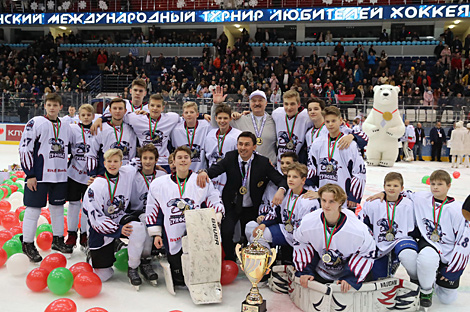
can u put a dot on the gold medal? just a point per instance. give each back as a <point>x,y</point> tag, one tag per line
<point>260,184</point>
<point>111,209</point>
<point>125,150</point>
<point>289,227</point>
<point>193,154</point>
<point>243,190</point>
<point>156,139</point>
<point>435,237</point>
<point>290,145</point>
<point>186,207</point>
<point>56,147</point>
<point>329,168</point>
<point>181,205</point>
<point>389,236</point>
<point>387,116</point>
<point>326,258</point>
<point>219,159</point>
<point>259,141</point>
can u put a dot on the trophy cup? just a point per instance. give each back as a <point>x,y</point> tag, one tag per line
<point>255,262</point>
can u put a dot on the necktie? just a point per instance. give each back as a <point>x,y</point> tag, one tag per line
<point>243,168</point>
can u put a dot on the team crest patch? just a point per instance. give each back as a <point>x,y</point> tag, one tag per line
<point>57,148</point>
<point>156,139</point>
<point>433,233</point>
<point>329,169</point>
<point>178,207</point>
<point>29,125</point>
<point>384,229</point>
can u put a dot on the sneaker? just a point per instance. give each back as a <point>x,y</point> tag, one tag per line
<point>425,300</point>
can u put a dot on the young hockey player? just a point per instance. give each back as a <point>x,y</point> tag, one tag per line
<point>169,196</point>
<point>220,141</point>
<point>192,133</point>
<point>291,122</point>
<point>115,134</point>
<point>278,226</point>
<point>332,165</point>
<point>171,163</point>
<point>80,142</point>
<point>392,221</point>
<point>138,92</point>
<point>43,154</point>
<point>342,245</point>
<point>105,204</point>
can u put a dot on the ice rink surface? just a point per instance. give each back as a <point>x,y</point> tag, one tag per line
<point>118,296</point>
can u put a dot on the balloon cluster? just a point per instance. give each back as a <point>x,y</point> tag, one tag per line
<point>54,275</point>
<point>67,305</point>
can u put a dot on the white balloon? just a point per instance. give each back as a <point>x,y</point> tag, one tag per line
<point>16,203</point>
<point>18,264</point>
<point>16,195</point>
<point>42,220</point>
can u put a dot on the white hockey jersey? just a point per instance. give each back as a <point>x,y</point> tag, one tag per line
<point>216,148</point>
<point>193,138</point>
<point>71,120</point>
<point>314,133</point>
<point>129,108</point>
<point>104,213</point>
<point>302,207</point>
<point>346,167</point>
<point>164,206</point>
<point>108,139</point>
<point>80,143</point>
<point>42,155</point>
<point>351,248</point>
<point>374,215</point>
<point>159,136</point>
<point>140,188</point>
<point>298,125</point>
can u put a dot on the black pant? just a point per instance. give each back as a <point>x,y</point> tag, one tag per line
<point>436,151</point>
<point>176,268</point>
<point>228,227</point>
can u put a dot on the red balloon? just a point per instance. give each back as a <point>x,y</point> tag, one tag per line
<point>47,215</point>
<point>54,261</point>
<point>2,213</point>
<point>80,267</point>
<point>5,205</point>
<point>3,257</point>
<point>456,174</point>
<point>20,174</point>
<point>5,236</point>
<point>14,188</point>
<point>10,220</point>
<point>66,227</point>
<point>19,210</point>
<point>428,181</point>
<point>96,310</point>
<point>37,279</point>
<point>44,240</point>
<point>87,284</point>
<point>16,230</point>
<point>5,191</point>
<point>229,272</point>
<point>62,305</point>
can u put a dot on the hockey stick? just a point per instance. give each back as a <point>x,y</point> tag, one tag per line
<point>168,278</point>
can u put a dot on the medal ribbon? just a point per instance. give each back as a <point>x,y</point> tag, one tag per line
<point>318,131</point>
<point>293,206</point>
<point>383,113</point>
<point>331,152</point>
<point>115,133</point>
<point>145,179</point>
<point>290,132</point>
<point>328,239</point>
<point>83,134</point>
<point>152,131</point>
<point>190,142</point>
<point>390,223</point>
<point>220,144</point>
<point>55,128</point>
<point>111,194</point>
<point>434,212</point>
<point>245,177</point>
<point>181,187</point>
<point>259,131</point>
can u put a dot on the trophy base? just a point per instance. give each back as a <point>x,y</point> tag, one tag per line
<point>246,307</point>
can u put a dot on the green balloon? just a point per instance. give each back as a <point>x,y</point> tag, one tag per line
<point>19,185</point>
<point>43,228</point>
<point>20,179</point>
<point>21,216</point>
<point>424,179</point>
<point>7,187</point>
<point>59,281</point>
<point>17,237</point>
<point>122,259</point>
<point>13,246</point>
<point>21,190</point>
<point>9,182</point>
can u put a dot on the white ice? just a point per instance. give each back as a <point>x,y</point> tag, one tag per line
<point>118,296</point>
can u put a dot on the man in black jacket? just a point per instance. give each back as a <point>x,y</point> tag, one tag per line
<point>248,174</point>
<point>23,113</point>
<point>420,137</point>
<point>438,138</point>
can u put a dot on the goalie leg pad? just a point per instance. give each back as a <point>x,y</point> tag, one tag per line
<point>201,258</point>
<point>278,281</point>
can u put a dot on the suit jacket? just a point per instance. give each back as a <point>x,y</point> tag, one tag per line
<point>420,137</point>
<point>261,173</point>
<point>433,135</point>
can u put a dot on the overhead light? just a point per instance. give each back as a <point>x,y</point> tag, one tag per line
<point>240,29</point>
<point>63,27</point>
<point>451,26</point>
<point>456,22</point>
<point>237,25</point>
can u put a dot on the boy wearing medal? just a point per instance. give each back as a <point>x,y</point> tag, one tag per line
<point>221,140</point>
<point>278,226</point>
<point>43,154</point>
<point>80,142</point>
<point>342,245</point>
<point>391,222</point>
<point>105,204</point>
<point>330,164</point>
<point>192,133</point>
<point>115,134</point>
<point>138,92</point>
<point>169,196</point>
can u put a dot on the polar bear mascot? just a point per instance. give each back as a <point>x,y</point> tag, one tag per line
<point>384,127</point>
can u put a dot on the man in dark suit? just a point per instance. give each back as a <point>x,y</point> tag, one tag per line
<point>438,138</point>
<point>248,174</point>
<point>420,137</point>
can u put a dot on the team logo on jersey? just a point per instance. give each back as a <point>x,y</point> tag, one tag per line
<point>216,157</point>
<point>143,198</point>
<point>91,195</point>
<point>384,228</point>
<point>82,148</point>
<point>195,152</point>
<point>123,146</point>
<point>156,139</point>
<point>430,228</point>
<point>329,169</point>
<point>336,258</point>
<point>57,148</point>
<point>29,125</point>
<point>286,143</point>
<point>118,204</point>
<point>178,206</point>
